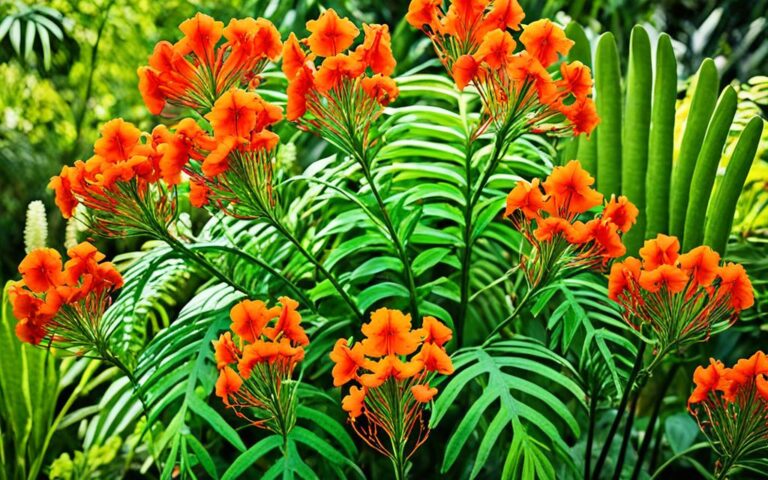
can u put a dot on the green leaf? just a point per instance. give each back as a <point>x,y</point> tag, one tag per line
<point>216,421</point>
<point>380,291</point>
<point>706,168</point>
<point>636,126</point>
<point>251,456</point>
<point>702,105</point>
<point>662,138</point>
<point>428,259</point>
<point>608,100</point>
<point>723,205</point>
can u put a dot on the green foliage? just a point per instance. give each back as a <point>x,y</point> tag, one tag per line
<point>651,176</point>
<point>28,384</point>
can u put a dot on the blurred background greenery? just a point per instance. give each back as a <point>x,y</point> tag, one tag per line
<point>68,66</point>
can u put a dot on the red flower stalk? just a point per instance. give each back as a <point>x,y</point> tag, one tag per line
<point>261,391</point>
<point>118,185</point>
<point>194,72</point>
<point>473,41</point>
<point>731,407</point>
<point>342,98</point>
<point>547,220</point>
<point>62,305</point>
<point>232,167</point>
<point>679,298</point>
<point>386,410</point>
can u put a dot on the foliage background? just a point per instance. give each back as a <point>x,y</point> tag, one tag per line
<point>50,114</point>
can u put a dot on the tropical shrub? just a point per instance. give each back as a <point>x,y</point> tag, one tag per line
<point>505,208</point>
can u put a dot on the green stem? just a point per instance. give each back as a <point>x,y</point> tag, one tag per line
<point>652,422</point>
<point>620,412</point>
<point>250,258</point>
<point>627,434</point>
<point>506,321</point>
<point>316,263</point>
<point>196,257</point>
<point>359,153</point>
<point>590,435</point>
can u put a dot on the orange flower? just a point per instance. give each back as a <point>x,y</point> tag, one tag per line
<point>422,393</point>
<point>577,79</point>
<point>229,383</point>
<point>621,212</point>
<point>464,70</point>
<point>497,49</point>
<point>118,140</point>
<point>376,51</point>
<point>297,91</point>
<point>392,367</point>
<point>434,331</point>
<point>198,194</point>
<point>504,14</point>
<point>746,368</point>
<point>382,89</point>
<point>570,189</point>
<point>582,114</point>
<point>226,352</point>
<point>334,69</point>
<point>665,276</point>
<point>41,269</point>
<point>178,147</point>
<point>623,274</point>
<point>662,250</point>
<point>389,333</point>
<point>249,318</point>
<point>201,35</point>
<point>217,161</point>
<point>294,56</point>
<point>30,332</point>
<point>150,87</point>
<point>62,187</point>
<point>354,402</point>
<point>288,323</point>
<point>237,113</point>
<point>606,237</point>
<point>544,40</point>
<point>550,227</point>
<point>735,282</point>
<point>255,353</point>
<point>434,359</point>
<point>707,380</point>
<point>526,197</point>
<point>462,16</point>
<point>330,34</point>
<point>702,263</point>
<point>347,361</point>
<point>424,12</point>
<point>84,258</point>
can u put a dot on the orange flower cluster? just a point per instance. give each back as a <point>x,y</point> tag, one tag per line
<point>234,165</point>
<point>118,184</point>
<point>194,73</point>
<point>547,220</point>
<point>342,97</point>
<point>680,297</point>
<point>392,389</point>
<point>473,41</point>
<point>265,354</point>
<point>731,407</point>
<point>63,303</point>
